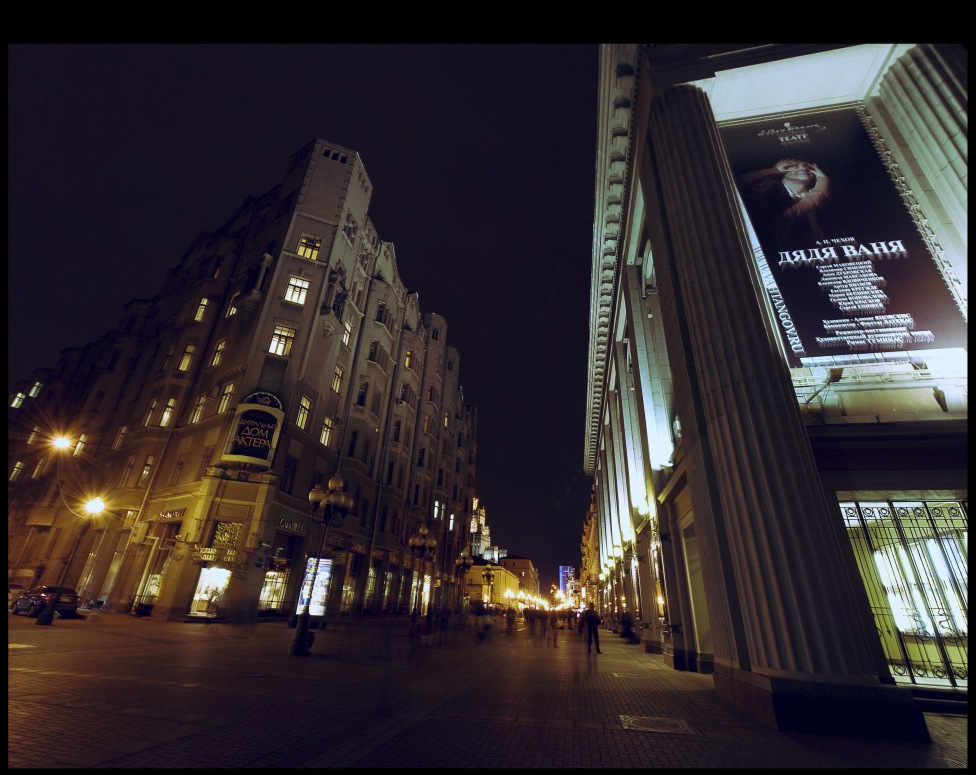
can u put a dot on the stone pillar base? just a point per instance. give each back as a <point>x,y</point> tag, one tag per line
<point>790,705</point>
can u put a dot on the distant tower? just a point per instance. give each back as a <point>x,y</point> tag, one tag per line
<point>566,573</point>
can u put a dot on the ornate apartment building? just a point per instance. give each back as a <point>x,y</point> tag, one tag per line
<point>778,399</point>
<point>282,350</point>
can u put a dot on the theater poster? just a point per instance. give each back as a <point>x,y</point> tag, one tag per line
<point>253,436</point>
<point>847,271</point>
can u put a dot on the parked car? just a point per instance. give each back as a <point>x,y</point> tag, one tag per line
<point>35,600</point>
<point>14,591</point>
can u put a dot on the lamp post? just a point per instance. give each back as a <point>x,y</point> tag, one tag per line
<point>461,566</point>
<point>94,507</point>
<point>489,576</point>
<point>422,546</point>
<point>333,504</point>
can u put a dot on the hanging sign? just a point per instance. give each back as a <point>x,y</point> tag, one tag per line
<point>253,436</point>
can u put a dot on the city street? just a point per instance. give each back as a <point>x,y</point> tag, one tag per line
<point>112,691</point>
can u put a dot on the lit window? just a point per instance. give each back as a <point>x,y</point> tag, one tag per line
<point>408,360</point>
<point>282,340</point>
<point>80,446</point>
<point>198,408</point>
<point>18,400</point>
<point>218,352</point>
<point>346,333</point>
<point>201,309</point>
<point>164,421</point>
<point>149,412</point>
<point>232,305</point>
<point>445,419</point>
<point>35,390</point>
<point>33,435</point>
<point>296,290</point>
<point>225,395</point>
<point>326,435</point>
<point>17,471</point>
<point>308,246</point>
<point>337,380</point>
<point>426,423</point>
<point>146,470</point>
<point>120,437</point>
<point>304,408</point>
<point>187,358</point>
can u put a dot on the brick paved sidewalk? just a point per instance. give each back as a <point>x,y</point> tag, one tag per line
<point>121,692</point>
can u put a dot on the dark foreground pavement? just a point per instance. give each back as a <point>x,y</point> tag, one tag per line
<point>112,691</point>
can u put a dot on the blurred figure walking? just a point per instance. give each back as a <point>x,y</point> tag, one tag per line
<point>591,619</point>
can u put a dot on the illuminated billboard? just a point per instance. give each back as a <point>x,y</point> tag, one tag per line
<point>254,433</point>
<point>848,273</point>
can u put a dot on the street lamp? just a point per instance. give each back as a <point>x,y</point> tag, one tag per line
<point>462,564</point>
<point>422,546</point>
<point>94,507</point>
<point>488,575</point>
<point>334,504</point>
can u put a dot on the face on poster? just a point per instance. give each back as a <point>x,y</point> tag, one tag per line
<point>847,271</point>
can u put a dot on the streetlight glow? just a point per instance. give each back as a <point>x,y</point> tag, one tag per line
<point>61,442</point>
<point>95,506</point>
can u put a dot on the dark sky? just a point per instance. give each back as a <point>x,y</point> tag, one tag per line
<point>482,160</point>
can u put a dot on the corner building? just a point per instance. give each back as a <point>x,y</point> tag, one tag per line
<point>283,349</point>
<point>778,394</point>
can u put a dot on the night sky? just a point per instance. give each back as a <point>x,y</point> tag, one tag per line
<point>482,161</point>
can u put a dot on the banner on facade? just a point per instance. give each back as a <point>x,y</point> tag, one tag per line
<point>845,264</point>
<point>254,433</point>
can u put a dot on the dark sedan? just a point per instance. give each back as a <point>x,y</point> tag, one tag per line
<point>35,600</point>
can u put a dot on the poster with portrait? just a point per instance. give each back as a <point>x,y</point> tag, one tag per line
<point>847,271</point>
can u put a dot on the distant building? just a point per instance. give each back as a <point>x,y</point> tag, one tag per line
<point>526,572</point>
<point>283,349</point>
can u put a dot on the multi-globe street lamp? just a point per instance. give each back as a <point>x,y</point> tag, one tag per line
<point>489,576</point>
<point>334,504</point>
<point>422,545</point>
<point>461,566</point>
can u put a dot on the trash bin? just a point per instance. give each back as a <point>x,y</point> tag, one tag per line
<point>142,609</point>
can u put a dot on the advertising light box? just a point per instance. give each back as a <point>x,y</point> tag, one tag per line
<point>844,262</point>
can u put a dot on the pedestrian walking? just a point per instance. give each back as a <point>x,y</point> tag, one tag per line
<point>554,627</point>
<point>591,619</point>
<point>627,630</point>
